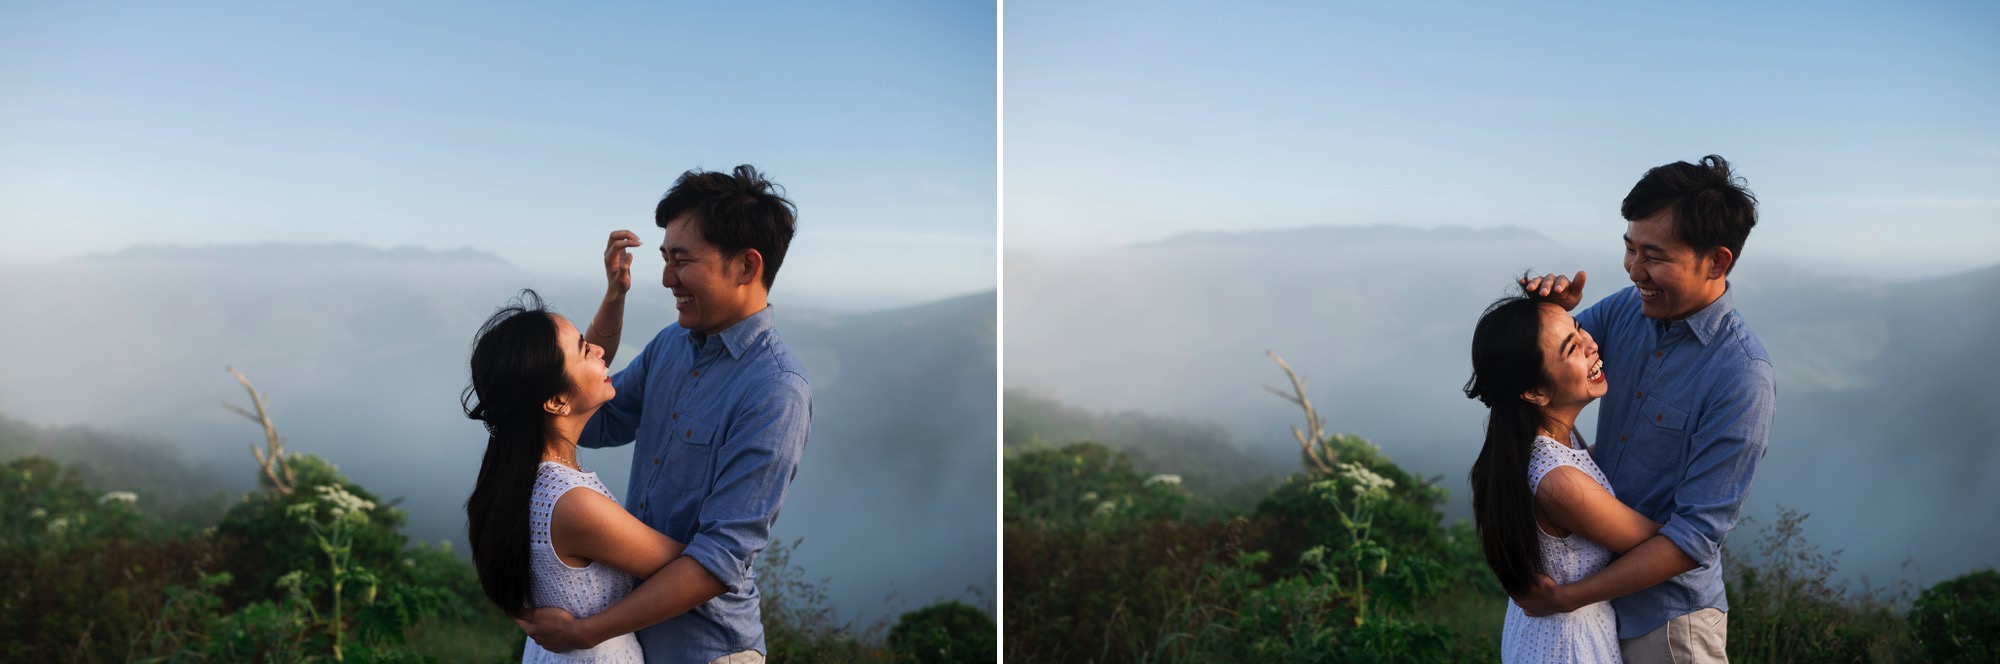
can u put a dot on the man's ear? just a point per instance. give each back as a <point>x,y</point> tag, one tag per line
<point>1536,396</point>
<point>556,405</point>
<point>752,269</point>
<point>1719,260</point>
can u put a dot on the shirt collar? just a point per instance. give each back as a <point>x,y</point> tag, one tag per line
<point>1707,323</point>
<point>739,337</point>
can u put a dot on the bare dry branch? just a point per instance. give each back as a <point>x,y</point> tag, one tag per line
<point>1313,439</point>
<point>275,468</point>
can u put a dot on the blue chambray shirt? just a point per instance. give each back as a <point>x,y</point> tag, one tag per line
<point>1685,421</point>
<point>720,421</point>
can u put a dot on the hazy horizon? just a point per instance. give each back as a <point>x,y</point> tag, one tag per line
<point>1864,130</point>
<point>529,132</point>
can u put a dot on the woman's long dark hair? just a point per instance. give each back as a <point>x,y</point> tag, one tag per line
<point>517,365</point>
<point>1507,361</point>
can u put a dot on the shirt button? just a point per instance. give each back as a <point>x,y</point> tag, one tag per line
<point>1658,417</point>
<point>1640,395</point>
<point>696,373</point>
<point>1656,353</point>
<point>1621,439</point>
<point>642,504</point>
<point>675,416</point>
<point>690,433</point>
<point>656,461</point>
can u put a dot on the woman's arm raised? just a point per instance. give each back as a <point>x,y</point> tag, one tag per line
<point>1574,502</point>
<point>608,326</point>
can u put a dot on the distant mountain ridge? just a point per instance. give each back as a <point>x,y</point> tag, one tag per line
<point>1308,236</point>
<point>292,252</point>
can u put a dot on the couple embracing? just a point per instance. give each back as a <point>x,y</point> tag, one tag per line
<point>717,409</point>
<point>1612,552</point>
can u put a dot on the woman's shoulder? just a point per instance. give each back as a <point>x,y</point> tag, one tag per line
<point>559,479</point>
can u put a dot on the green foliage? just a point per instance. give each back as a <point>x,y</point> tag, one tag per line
<point>1331,567</point>
<point>945,633</point>
<point>798,624</point>
<point>271,541</point>
<point>1959,620</point>
<point>1086,484</point>
<point>47,507</point>
<point>92,578</point>
<point>1404,523</point>
<point>1784,607</point>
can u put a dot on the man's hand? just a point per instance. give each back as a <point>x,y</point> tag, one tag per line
<point>555,630</point>
<point>618,261</point>
<point>1543,598</point>
<point>1555,288</point>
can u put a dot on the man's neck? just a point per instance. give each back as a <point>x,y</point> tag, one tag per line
<point>751,308</point>
<point>1704,305</point>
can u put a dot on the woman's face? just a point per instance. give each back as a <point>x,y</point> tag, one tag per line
<point>1569,358</point>
<point>583,363</point>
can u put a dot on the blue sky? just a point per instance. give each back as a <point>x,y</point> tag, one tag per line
<point>527,131</point>
<point>1867,130</point>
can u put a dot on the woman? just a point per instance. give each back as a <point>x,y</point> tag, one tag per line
<point>1541,505</point>
<point>545,532</point>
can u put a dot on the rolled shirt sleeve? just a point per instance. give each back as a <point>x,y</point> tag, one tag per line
<point>1725,449</point>
<point>758,457</point>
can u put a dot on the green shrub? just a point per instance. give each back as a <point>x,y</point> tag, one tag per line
<point>946,632</point>
<point>1406,524</point>
<point>270,541</point>
<point>1087,484</point>
<point>1959,620</point>
<point>1785,607</point>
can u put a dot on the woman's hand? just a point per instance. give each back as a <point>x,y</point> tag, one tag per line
<point>555,630</point>
<point>618,261</point>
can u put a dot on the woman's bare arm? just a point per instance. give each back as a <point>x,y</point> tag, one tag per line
<point>1575,502</point>
<point>586,526</point>
<point>608,326</point>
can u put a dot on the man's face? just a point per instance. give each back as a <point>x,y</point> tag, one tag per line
<point>1674,280</point>
<point>709,289</point>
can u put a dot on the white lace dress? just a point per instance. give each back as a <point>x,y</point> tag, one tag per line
<point>582,591</point>
<point>1588,634</point>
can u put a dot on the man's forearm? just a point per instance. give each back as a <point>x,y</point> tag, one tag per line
<point>680,586</point>
<point>608,326</point>
<point>1649,564</point>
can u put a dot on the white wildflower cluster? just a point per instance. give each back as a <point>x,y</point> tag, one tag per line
<point>1169,480</point>
<point>1366,482</point>
<point>38,513</point>
<point>342,501</point>
<point>126,497</point>
<point>59,525</point>
<point>1105,509</point>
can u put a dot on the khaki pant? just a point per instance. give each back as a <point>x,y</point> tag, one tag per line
<point>1694,637</point>
<point>740,657</point>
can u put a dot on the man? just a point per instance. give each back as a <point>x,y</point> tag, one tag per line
<point>1687,414</point>
<point>719,408</point>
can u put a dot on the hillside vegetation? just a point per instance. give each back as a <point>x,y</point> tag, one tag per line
<point>309,566</point>
<point>1111,559</point>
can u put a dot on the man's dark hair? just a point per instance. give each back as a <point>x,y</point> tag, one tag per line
<point>734,211</point>
<point>1712,208</point>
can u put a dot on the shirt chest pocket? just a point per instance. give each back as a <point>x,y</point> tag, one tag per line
<point>688,459</point>
<point>1663,437</point>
